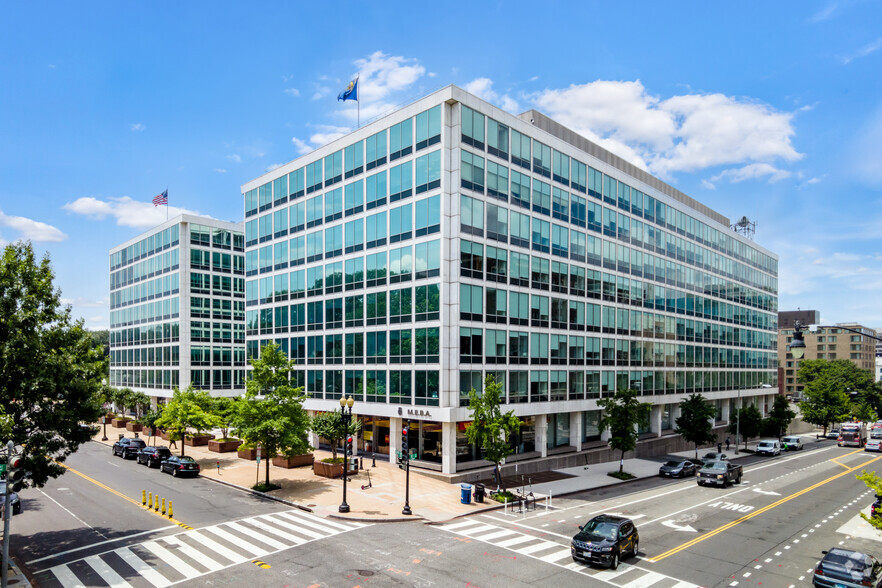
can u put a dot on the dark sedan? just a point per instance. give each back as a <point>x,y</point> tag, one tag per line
<point>13,498</point>
<point>604,539</point>
<point>843,568</point>
<point>676,468</point>
<point>180,466</point>
<point>127,447</point>
<point>153,456</point>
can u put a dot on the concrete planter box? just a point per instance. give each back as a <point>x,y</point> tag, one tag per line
<point>134,427</point>
<point>247,453</point>
<point>163,435</point>
<point>197,440</point>
<point>119,422</point>
<point>223,446</point>
<point>294,461</point>
<point>328,470</point>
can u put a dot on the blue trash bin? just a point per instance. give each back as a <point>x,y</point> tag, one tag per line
<point>465,491</point>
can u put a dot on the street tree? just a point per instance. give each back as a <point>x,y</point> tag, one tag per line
<point>780,417</point>
<point>695,423</point>
<point>148,420</point>
<point>271,413</point>
<point>826,390</point>
<point>622,413</point>
<point>748,422</point>
<point>226,409</point>
<point>50,374</point>
<point>329,426</point>
<point>187,411</point>
<point>139,403</point>
<point>874,483</point>
<point>491,429</point>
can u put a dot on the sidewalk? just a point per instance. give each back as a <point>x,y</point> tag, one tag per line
<point>430,499</point>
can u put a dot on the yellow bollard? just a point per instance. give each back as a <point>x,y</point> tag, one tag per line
<point>150,501</point>
<point>143,497</point>
<point>156,505</point>
<point>170,510</point>
<point>163,506</point>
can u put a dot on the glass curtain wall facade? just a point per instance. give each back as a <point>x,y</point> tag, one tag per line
<point>177,308</point>
<point>404,263</point>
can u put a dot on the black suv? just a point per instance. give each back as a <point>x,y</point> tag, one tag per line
<point>127,447</point>
<point>604,539</point>
<point>153,456</point>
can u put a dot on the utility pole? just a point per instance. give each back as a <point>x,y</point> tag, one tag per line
<point>7,514</point>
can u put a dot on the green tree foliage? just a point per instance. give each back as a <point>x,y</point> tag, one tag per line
<point>50,374</point>
<point>329,426</point>
<point>226,409</point>
<point>748,422</point>
<point>139,403</point>
<point>779,417</point>
<point>121,398</point>
<point>874,483</point>
<point>621,415</point>
<point>271,413</point>
<point>827,383</point>
<point>490,428</point>
<point>101,341</point>
<point>148,420</point>
<point>187,412</point>
<point>695,423</point>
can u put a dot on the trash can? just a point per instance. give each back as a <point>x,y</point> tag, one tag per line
<point>465,491</point>
<point>479,493</point>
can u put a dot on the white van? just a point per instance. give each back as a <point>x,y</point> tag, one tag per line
<point>769,447</point>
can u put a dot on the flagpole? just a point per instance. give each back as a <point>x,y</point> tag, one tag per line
<point>166,204</point>
<point>358,101</point>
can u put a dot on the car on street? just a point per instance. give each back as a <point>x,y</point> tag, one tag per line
<point>876,507</point>
<point>713,456</point>
<point>152,456</point>
<point>768,447</point>
<point>13,498</point>
<point>677,468</point>
<point>604,540</point>
<point>128,447</point>
<point>833,434</point>
<point>844,568</point>
<point>178,465</point>
<point>873,445</point>
<point>720,473</point>
<point>792,443</point>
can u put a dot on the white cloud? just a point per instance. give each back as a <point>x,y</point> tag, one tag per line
<point>85,302</point>
<point>136,127</point>
<point>823,14</point>
<point>379,77</point>
<point>301,146</point>
<point>32,230</point>
<point>483,88</point>
<point>235,157</point>
<point>863,51</point>
<point>708,185</point>
<point>326,134</point>
<point>752,172</point>
<point>126,211</point>
<point>220,170</point>
<point>292,92</point>
<point>682,133</point>
<point>273,166</point>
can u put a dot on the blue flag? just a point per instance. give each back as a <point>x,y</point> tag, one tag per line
<point>350,93</point>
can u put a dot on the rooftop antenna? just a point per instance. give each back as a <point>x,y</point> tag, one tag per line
<point>745,227</point>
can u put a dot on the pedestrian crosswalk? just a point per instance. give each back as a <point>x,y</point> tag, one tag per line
<point>558,554</point>
<point>184,556</point>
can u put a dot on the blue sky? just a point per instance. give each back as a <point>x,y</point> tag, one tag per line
<point>771,110</point>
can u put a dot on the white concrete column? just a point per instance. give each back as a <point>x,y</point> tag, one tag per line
<point>655,419</point>
<point>542,434</point>
<point>395,425</point>
<point>726,412</point>
<point>448,447</point>
<point>313,438</point>
<point>576,430</point>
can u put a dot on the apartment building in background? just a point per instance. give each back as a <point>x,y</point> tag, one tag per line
<point>449,240</point>
<point>177,308</point>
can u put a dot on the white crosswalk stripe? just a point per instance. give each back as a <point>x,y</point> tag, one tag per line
<point>199,552</point>
<point>558,554</point>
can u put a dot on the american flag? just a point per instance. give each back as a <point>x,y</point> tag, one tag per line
<point>161,199</point>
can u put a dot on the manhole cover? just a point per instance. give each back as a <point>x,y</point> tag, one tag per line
<point>365,573</point>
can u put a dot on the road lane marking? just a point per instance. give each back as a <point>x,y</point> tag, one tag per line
<point>834,460</point>
<point>107,573</point>
<point>73,515</point>
<point>757,512</point>
<point>127,537</point>
<point>140,566</point>
<point>65,577</point>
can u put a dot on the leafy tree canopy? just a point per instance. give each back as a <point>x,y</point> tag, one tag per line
<point>621,415</point>
<point>747,421</point>
<point>780,416</point>
<point>329,426</point>
<point>695,423</point>
<point>227,411</point>
<point>50,374</point>
<point>827,384</point>
<point>490,428</point>
<point>187,412</point>
<point>874,483</point>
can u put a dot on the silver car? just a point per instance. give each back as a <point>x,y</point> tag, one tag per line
<point>791,443</point>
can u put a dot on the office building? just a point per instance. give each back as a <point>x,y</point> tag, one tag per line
<point>449,240</point>
<point>177,308</point>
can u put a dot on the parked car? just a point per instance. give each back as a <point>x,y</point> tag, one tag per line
<point>833,434</point>
<point>677,468</point>
<point>873,445</point>
<point>13,498</point>
<point>604,539</point>
<point>843,568</point>
<point>153,456</point>
<point>720,473</point>
<point>178,465</point>
<point>791,443</point>
<point>128,447</point>
<point>768,447</point>
<point>876,432</point>
<point>876,507</point>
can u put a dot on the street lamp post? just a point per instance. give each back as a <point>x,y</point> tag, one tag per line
<point>738,423</point>
<point>346,418</point>
<point>104,422</point>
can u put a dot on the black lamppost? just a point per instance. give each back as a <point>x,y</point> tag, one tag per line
<point>346,418</point>
<point>104,422</point>
<point>797,346</point>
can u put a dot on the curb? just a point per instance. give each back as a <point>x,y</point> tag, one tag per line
<point>15,576</point>
<point>256,493</point>
<point>387,520</point>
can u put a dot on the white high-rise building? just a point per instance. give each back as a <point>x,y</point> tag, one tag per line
<point>449,240</point>
<point>177,308</point>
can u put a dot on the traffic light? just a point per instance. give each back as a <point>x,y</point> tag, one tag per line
<point>349,445</point>
<point>15,473</point>
<point>404,442</point>
<point>401,459</point>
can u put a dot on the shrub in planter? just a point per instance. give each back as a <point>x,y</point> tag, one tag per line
<point>293,461</point>
<point>197,440</point>
<point>119,422</point>
<point>245,452</point>
<point>134,427</point>
<point>223,445</point>
<point>328,470</point>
